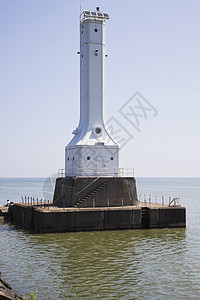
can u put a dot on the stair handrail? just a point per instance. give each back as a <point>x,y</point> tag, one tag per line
<point>105,182</point>
<point>176,202</point>
<point>91,183</point>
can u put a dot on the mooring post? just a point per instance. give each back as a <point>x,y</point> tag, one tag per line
<point>22,199</point>
<point>37,201</point>
<point>48,204</point>
<point>122,202</point>
<point>156,199</point>
<point>163,200</point>
<point>41,202</point>
<point>25,199</point>
<point>169,201</point>
<point>31,201</point>
<point>44,203</point>
<point>149,200</point>
<point>93,202</point>
<point>108,202</point>
<point>28,200</point>
<point>145,199</point>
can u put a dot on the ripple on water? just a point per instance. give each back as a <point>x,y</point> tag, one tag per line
<point>139,264</point>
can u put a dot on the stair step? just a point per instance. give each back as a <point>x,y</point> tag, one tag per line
<point>93,192</point>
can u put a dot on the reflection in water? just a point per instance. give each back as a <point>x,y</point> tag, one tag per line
<point>110,264</point>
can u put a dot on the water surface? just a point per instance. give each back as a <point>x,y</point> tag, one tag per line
<point>130,264</point>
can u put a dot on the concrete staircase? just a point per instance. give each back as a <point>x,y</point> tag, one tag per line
<point>93,191</point>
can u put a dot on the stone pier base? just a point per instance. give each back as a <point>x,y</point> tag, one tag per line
<point>52,219</point>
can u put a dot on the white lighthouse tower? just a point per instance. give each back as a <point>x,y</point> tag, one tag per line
<point>92,151</point>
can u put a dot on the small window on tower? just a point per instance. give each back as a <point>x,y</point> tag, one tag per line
<point>73,157</point>
<point>96,30</point>
<point>88,158</point>
<point>68,159</point>
<point>98,130</point>
<point>111,158</point>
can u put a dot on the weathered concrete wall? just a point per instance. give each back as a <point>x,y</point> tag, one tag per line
<point>137,218</point>
<point>87,219</point>
<point>176,217</point>
<point>61,222</point>
<point>23,215</point>
<point>167,217</point>
<point>70,191</point>
<point>118,219</point>
<point>154,218</point>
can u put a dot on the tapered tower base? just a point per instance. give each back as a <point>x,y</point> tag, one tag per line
<point>95,192</point>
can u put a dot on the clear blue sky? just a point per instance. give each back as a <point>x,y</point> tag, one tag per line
<point>153,47</point>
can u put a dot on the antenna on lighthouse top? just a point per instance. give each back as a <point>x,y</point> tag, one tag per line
<point>97,8</point>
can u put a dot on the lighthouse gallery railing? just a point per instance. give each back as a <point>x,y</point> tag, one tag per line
<point>82,172</point>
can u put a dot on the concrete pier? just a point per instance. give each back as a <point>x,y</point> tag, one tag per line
<point>70,219</point>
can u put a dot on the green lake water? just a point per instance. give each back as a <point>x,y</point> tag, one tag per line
<point>130,264</point>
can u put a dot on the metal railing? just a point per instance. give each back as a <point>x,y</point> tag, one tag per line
<point>149,200</point>
<point>43,203</point>
<point>142,200</point>
<point>36,202</point>
<point>82,172</point>
<point>86,187</point>
<point>175,202</point>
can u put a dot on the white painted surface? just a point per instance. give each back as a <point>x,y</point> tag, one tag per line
<point>92,151</point>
